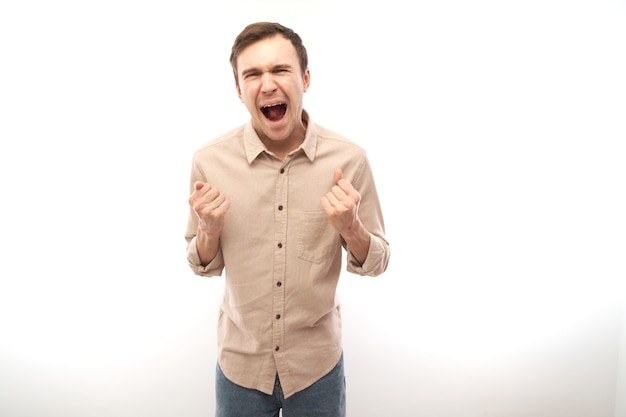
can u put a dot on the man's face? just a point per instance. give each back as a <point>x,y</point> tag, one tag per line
<point>271,85</point>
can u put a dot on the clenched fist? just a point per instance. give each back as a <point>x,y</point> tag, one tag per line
<point>210,205</point>
<point>341,204</point>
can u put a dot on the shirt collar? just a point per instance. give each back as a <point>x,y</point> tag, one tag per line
<point>254,147</point>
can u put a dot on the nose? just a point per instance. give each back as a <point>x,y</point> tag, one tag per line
<point>267,83</point>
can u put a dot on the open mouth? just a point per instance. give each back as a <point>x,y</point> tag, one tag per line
<point>274,112</point>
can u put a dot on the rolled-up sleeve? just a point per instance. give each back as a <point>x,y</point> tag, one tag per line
<point>376,261</point>
<point>371,215</point>
<point>216,266</point>
<point>212,269</point>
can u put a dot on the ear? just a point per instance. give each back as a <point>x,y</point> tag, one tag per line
<point>306,80</point>
<point>238,92</point>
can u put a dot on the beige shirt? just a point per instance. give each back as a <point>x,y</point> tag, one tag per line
<point>281,257</point>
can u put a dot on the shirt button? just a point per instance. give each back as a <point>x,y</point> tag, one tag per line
<point>278,284</point>
<point>280,245</point>
<point>282,170</point>
<point>280,207</point>
<point>277,348</point>
<point>277,316</point>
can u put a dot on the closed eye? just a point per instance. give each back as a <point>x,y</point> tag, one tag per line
<point>250,74</point>
<point>280,69</point>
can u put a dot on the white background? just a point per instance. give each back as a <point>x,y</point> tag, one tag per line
<point>496,132</point>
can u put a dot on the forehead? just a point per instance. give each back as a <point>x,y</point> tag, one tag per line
<point>268,52</point>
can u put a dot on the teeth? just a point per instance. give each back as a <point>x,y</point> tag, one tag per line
<point>271,105</point>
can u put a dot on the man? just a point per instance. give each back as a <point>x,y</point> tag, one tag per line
<point>272,204</point>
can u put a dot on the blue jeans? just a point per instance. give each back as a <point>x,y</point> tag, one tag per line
<point>325,398</point>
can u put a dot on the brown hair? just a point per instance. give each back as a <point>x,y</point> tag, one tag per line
<point>255,32</point>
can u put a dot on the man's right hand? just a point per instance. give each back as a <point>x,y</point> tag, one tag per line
<point>210,206</point>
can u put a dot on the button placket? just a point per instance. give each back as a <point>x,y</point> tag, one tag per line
<point>280,259</point>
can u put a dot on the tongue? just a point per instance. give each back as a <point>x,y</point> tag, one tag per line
<point>275,113</point>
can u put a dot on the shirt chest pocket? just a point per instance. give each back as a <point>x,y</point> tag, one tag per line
<point>317,240</point>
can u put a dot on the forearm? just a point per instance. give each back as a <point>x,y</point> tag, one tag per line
<point>357,242</point>
<point>207,245</point>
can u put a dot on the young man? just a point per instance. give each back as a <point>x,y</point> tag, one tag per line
<point>272,204</point>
